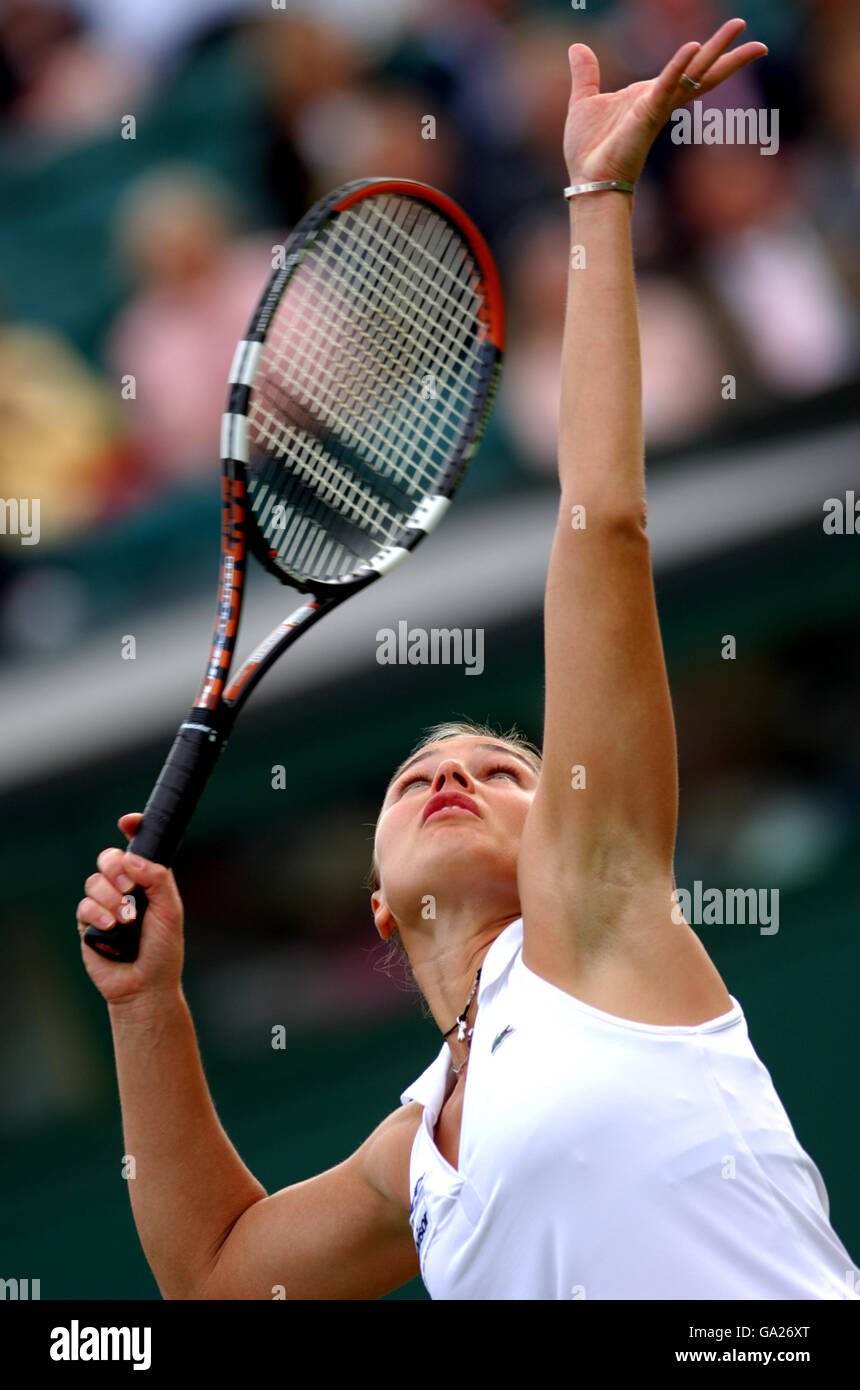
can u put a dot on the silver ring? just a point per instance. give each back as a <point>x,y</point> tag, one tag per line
<point>690,83</point>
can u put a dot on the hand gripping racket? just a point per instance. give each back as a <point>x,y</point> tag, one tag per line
<point>356,400</point>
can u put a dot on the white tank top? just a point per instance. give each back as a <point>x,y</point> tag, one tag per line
<point>602,1158</point>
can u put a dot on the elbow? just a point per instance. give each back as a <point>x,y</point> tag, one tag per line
<point>624,515</point>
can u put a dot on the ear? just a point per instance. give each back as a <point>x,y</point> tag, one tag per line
<point>382,916</point>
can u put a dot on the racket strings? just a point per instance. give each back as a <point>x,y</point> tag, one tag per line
<point>441,240</point>
<point>364,352</point>
<point>332,487</point>
<point>371,380</point>
<point>379,295</point>
<point>365,383</point>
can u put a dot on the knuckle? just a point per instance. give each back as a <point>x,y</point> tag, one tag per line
<point>103,892</point>
<point>107,859</point>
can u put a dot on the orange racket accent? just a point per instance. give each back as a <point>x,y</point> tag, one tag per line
<point>492,284</point>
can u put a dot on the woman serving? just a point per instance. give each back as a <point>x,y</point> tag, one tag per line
<point>596,1122</point>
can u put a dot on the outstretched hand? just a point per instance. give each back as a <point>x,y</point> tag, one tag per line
<point>608,135</point>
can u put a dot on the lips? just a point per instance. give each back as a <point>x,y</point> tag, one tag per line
<point>443,800</point>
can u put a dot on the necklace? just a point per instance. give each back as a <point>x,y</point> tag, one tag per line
<point>460,1025</point>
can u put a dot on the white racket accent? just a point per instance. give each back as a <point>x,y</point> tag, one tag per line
<point>298,615</point>
<point>429,513</point>
<point>234,437</point>
<point>387,559</point>
<point>244,365</point>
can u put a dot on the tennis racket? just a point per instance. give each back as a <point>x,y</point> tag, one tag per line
<point>356,401</point>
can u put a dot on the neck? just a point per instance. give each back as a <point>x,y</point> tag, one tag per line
<point>445,965</point>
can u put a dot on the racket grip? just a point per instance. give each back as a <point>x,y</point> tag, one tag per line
<point>196,749</point>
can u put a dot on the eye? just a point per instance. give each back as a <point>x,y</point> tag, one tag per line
<point>410,781</point>
<point>508,771</point>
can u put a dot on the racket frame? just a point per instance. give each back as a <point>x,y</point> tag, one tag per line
<point>202,737</point>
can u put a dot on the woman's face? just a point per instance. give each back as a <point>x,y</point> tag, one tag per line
<point>426,845</point>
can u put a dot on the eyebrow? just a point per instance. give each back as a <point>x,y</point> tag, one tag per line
<point>491,747</point>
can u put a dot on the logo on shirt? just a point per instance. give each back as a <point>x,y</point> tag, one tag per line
<point>419,1228</point>
<point>500,1037</point>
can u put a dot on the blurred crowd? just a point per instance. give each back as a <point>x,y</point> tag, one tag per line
<point>747,263</point>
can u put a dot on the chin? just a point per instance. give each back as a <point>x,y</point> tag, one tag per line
<point>454,866</point>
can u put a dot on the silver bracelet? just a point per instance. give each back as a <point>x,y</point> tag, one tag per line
<point>621,184</point>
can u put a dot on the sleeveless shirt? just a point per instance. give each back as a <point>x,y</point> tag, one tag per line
<point>602,1158</point>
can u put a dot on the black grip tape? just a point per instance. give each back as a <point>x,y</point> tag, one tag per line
<point>196,749</point>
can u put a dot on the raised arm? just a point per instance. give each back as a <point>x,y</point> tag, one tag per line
<point>602,825</point>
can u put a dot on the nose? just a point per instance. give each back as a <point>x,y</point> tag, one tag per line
<point>449,773</point>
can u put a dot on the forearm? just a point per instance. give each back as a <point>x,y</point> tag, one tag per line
<point>601,457</point>
<point>608,709</point>
<point>189,1184</point>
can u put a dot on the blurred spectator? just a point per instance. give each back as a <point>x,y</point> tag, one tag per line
<point>683,361</point>
<point>537,259</point>
<point>59,80</point>
<point>746,264</point>
<point>683,350</point>
<point>522,165</point>
<point>376,131</point>
<point>198,285</point>
<point>61,435</point>
<point>29,36</point>
<point>831,166</point>
<point>316,94</point>
<point>764,259</point>
<point>303,62</point>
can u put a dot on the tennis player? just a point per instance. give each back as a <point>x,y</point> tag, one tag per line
<point>596,1123</point>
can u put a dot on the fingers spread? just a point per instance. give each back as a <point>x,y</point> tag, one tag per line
<point>716,44</point>
<point>727,66</point>
<point>664,87</point>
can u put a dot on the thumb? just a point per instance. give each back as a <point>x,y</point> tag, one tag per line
<point>584,72</point>
<point>130,824</point>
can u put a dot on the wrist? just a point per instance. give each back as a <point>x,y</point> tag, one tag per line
<point>600,209</point>
<point>141,1010</point>
<point>587,188</point>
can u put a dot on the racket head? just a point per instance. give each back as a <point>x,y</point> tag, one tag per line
<point>363,384</point>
